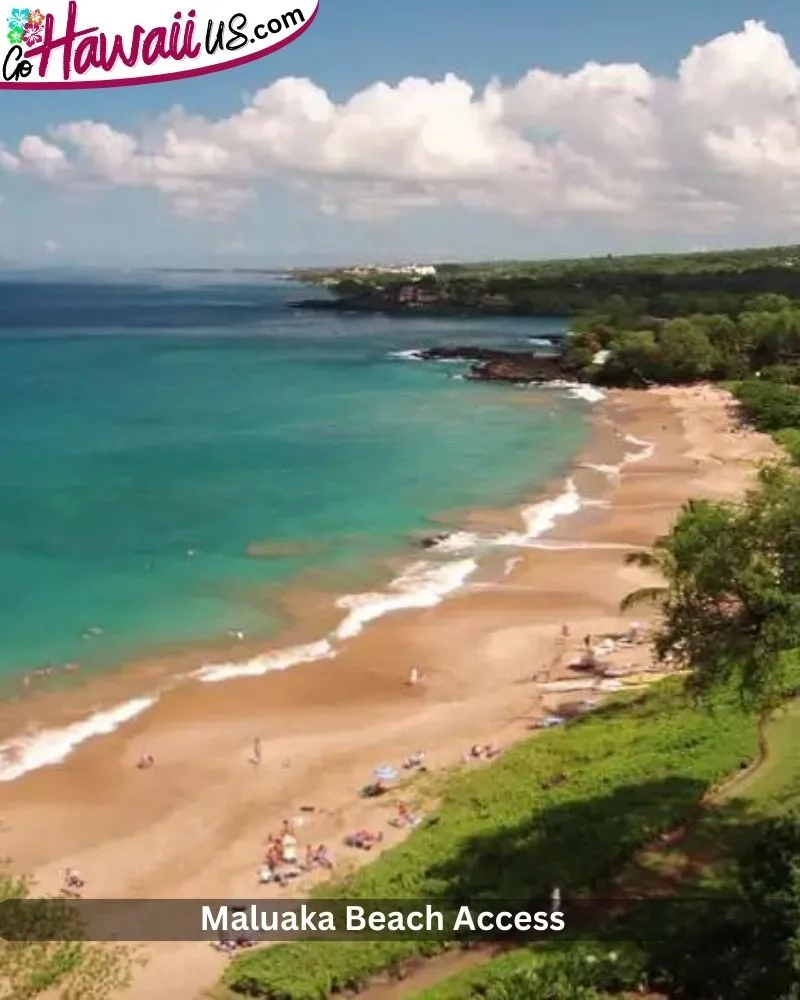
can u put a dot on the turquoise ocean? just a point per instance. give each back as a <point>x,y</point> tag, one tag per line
<point>155,428</point>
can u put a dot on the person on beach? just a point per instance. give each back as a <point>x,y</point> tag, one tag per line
<point>145,761</point>
<point>413,677</point>
<point>323,857</point>
<point>73,882</point>
<point>289,849</point>
<point>564,632</point>
<point>256,758</point>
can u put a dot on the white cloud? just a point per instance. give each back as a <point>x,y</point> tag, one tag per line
<point>50,246</point>
<point>717,144</point>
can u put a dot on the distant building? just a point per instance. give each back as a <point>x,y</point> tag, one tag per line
<point>417,270</point>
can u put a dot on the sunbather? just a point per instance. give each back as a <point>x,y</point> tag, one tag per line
<point>404,816</point>
<point>364,840</point>
<point>375,789</point>
<point>322,857</point>
<point>289,849</point>
<point>72,879</point>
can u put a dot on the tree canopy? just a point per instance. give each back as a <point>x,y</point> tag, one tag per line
<point>730,608</point>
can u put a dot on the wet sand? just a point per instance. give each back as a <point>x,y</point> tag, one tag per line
<point>193,826</point>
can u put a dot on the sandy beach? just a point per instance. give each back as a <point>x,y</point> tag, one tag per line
<point>193,825</point>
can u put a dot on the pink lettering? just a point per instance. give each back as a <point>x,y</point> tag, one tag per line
<point>154,46</point>
<point>98,52</point>
<point>108,59</point>
<point>66,41</point>
<point>86,55</point>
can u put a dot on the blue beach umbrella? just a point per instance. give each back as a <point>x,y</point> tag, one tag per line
<point>386,773</point>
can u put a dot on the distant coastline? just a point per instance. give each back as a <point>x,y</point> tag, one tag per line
<point>665,285</point>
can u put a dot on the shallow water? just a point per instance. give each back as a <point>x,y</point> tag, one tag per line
<point>155,427</point>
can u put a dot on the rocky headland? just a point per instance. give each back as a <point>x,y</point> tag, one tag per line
<point>492,365</point>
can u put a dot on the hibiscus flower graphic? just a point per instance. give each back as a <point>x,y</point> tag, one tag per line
<point>36,17</point>
<point>33,34</point>
<point>15,36</point>
<point>18,19</point>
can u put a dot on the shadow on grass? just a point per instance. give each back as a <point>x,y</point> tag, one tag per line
<point>654,842</point>
<point>574,845</point>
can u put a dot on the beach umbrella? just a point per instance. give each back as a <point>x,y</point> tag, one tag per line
<point>386,773</point>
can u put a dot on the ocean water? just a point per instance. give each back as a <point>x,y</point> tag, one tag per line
<point>155,427</point>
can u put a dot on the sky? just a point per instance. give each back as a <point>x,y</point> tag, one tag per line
<point>425,131</point>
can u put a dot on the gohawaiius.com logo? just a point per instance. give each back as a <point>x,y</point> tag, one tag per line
<point>92,43</point>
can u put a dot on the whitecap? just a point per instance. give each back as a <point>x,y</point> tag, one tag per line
<point>646,449</point>
<point>458,541</point>
<point>411,355</point>
<point>52,746</point>
<point>422,585</point>
<point>541,517</point>
<point>266,663</point>
<point>588,393</point>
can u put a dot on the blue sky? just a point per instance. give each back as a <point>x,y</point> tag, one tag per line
<point>351,45</point>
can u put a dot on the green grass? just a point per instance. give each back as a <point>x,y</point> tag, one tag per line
<point>723,830</point>
<point>774,787</point>
<point>566,808</point>
<point>789,438</point>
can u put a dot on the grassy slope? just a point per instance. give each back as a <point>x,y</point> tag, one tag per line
<point>567,808</point>
<point>701,858</point>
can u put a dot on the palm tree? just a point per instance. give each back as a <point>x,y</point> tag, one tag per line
<point>668,555</point>
<point>658,558</point>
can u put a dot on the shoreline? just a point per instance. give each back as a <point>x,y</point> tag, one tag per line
<point>193,825</point>
<point>42,727</point>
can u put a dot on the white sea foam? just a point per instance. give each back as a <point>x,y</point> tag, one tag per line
<point>266,663</point>
<point>612,471</point>
<point>588,393</point>
<point>541,517</point>
<point>422,585</point>
<point>538,519</point>
<point>415,354</point>
<point>646,449</point>
<point>578,390</point>
<point>52,746</point>
<point>412,355</point>
<point>460,541</point>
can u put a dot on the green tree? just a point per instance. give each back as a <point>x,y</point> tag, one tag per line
<point>730,606</point>
<point>768,302</point>
<point>61,966</point>
<point>771,406</point>
<point>634,358</point>
<point>686,353</point>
